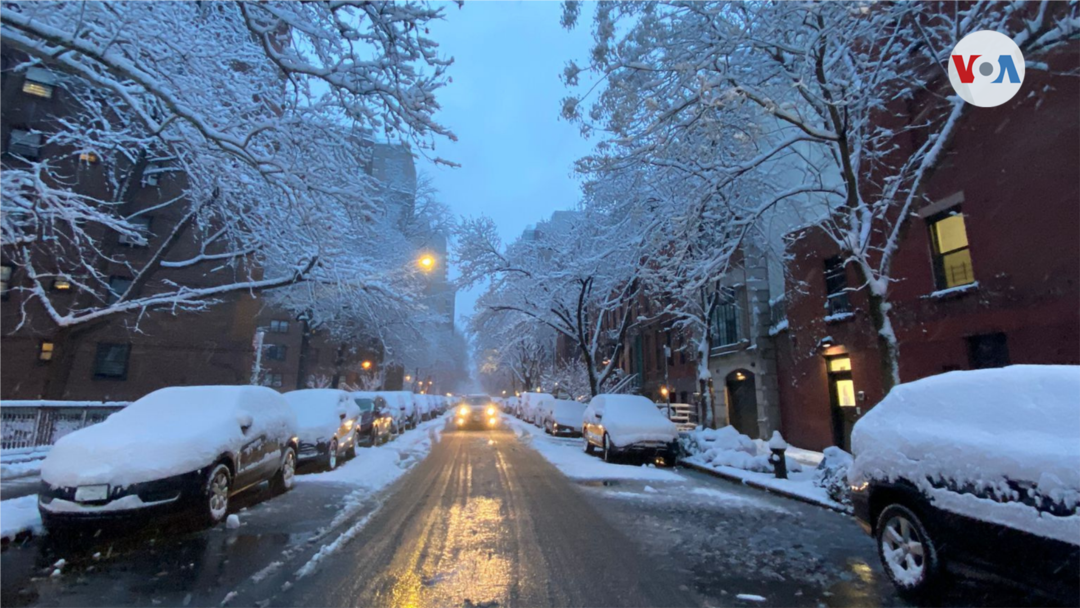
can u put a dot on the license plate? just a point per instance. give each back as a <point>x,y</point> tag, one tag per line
<point>91,493</point>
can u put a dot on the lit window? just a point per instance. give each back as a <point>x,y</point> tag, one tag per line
<point>840,364</point>
<point>24,143</point>
<point>89,158</point>
<point>111,361</point>
<point>952,258</point>
<point>142,224</point>
<point>5,279</point>
<point>61,284</point>
<point>45,352</point>
<point>39,83</point>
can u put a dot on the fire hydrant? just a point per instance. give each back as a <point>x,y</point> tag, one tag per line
<point>778,446</point>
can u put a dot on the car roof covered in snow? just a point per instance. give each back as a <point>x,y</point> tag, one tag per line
<point>320,407</point>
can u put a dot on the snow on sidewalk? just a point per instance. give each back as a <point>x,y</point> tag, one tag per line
<point>19,515</point>
<point>568,456</point>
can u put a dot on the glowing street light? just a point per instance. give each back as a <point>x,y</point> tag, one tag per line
<point>664,391</point>
<point>426,262</point>
<point>366,364</point>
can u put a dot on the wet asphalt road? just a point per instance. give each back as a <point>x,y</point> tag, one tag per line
<point>484,520</point>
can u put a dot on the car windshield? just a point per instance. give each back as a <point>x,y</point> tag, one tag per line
<point>428,303</point>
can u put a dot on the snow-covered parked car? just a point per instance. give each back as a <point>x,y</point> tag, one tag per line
<point>328,425</point>
<point>402,407</point>
<point>532,406</point>
<point>979,469</point>
<point>423,406</point>
<point>379,418</point>
<point>621,424</point>
<point>186,449</point>
<point>564,418</point>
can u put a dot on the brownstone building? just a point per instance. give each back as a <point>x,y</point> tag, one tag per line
<point>987,274</point>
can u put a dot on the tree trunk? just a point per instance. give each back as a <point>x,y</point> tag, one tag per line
<point>888,349</point>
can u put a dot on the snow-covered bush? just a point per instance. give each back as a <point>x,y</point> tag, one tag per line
<point>728,447</point>
<point>832,474</point>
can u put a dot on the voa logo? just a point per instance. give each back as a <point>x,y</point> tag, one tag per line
<point>986,69</point>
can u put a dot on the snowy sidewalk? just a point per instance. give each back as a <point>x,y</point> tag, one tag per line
<point>799,486</point>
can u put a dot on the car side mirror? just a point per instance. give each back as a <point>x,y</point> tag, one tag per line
<point>342,416</point>
<point>245,421</point>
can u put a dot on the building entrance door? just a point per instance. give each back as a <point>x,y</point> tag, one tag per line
<point>742,402</point>
<point>845,412</point>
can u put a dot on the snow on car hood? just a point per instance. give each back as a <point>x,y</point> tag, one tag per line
<point>630,419</point>
<point>168,432</point>
<point>977,431</point>
<point>568,413</point>
<point>318,410</point>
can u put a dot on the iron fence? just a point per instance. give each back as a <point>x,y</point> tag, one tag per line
<point>29,424</point>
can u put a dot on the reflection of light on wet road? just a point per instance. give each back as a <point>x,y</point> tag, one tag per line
<point>462,559</point>
<point>863,571</point>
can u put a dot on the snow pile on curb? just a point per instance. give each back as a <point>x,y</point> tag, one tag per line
<point>999,445</point>
<point>19,515</point>
<point>832,475</point>
<point>726,447</point>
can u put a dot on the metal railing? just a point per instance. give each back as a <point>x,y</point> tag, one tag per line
<point>29,424</point>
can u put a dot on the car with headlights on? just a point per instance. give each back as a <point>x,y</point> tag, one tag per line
<point>177,450</point>
<point>477,412</point>
<point>628,424</point>
<point>328,425</point>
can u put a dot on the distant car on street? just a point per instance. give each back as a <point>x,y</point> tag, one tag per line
<point>628,424</point>
<point>379,418</point>
<point>181,449</point>
<point>564,418</point>
<point>534,405</point>
<point>477,412</point>
<point>974,471</point>
<point>328,425</point>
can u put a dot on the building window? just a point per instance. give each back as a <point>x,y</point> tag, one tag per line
<point>142,225</point>
<point>279,327</point>
<point>836,288</point>
<point>39,83</point>
<point>988,350</point>
<point>45,351</point>
<point>24,143</point>
<point>276,352</point>
<point>61,284</point>
<point>89,158</point>
<point>725,320</point>
<point>118,286</point>
<point>274,380</point>
<point>952,258</point>
<point>5,280</point>
<point>111,361</point>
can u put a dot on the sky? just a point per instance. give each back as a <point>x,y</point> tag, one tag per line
<point>515,151</point>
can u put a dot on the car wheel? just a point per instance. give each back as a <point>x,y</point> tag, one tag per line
<point>332,455</point>
<point>609,451</point>
<point>907,551</point>
<point>355,445</point>
<point>588,444</point>
<point>218,485</point>
<point>283,480</point>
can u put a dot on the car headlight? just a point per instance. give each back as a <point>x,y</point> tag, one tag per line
<point>491,411</point>
<point>464,411</point>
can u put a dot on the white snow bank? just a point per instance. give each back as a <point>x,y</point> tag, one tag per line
<point>567,456</point>
<point>727,447</point>
<point>19,515</point>
<point>20,469</point>
<point>999,445</point>
<point>630,419</point>
<point>318,411</point>
<point>168,432</point>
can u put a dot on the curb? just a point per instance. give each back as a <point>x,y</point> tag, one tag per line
<point>761,486</point>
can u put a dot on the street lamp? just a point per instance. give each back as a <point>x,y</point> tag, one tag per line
<point>366,364</point>
<point>426,262</point>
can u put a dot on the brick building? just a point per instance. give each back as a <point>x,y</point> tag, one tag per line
<point>987,273</point>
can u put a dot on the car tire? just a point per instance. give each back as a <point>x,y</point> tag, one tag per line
<point>215,504</point>
<point>331,455</point>
<point>588,445</point>
<point>283,480</point>
<point>909,554</point>
<point>609,451</point>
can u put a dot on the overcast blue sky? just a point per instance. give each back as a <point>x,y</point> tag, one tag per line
<point>515,150</point>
